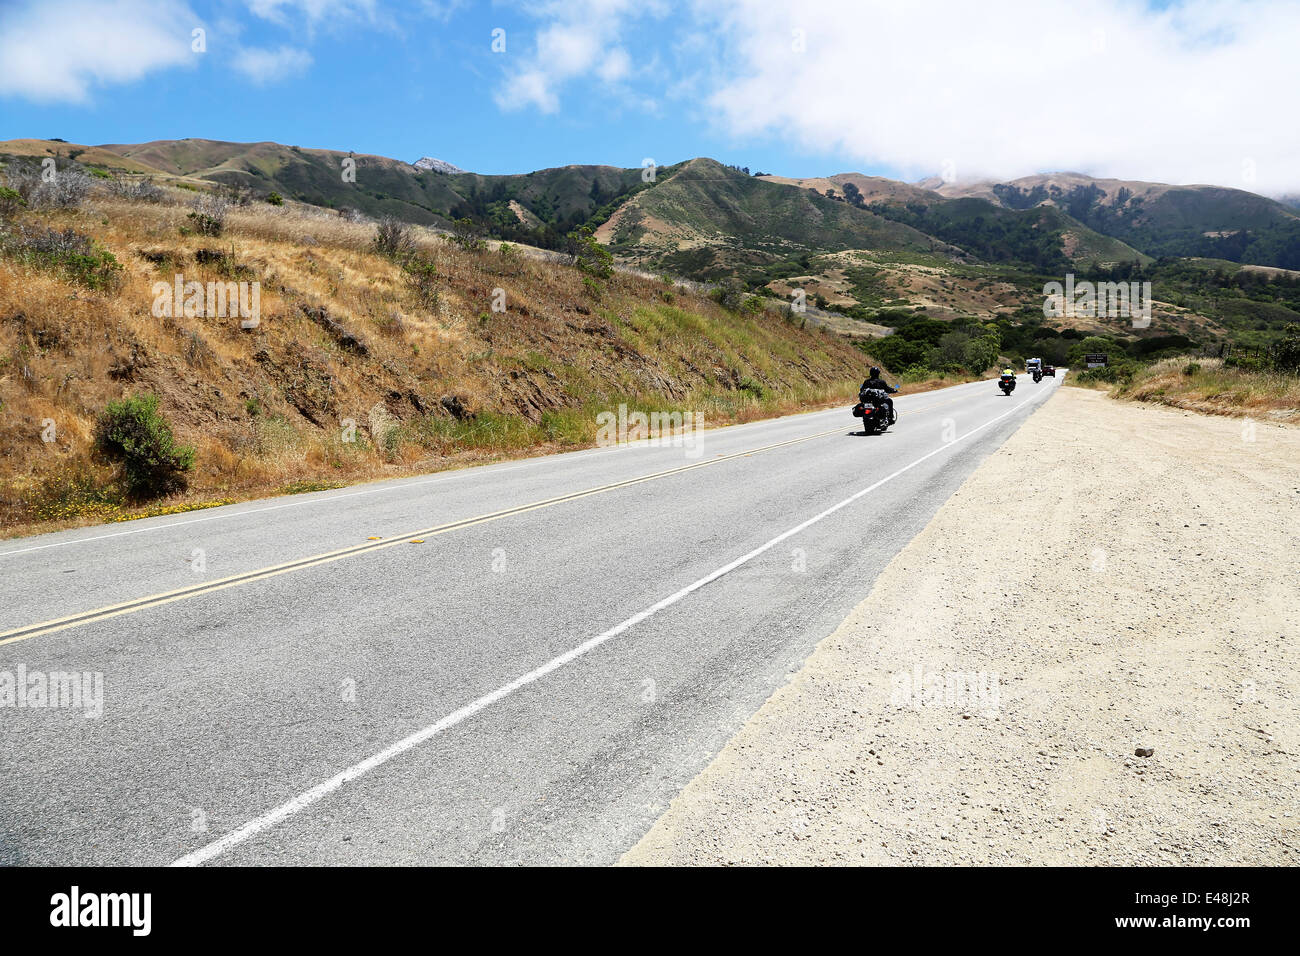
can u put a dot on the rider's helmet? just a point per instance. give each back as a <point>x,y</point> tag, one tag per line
<point>873,372</point>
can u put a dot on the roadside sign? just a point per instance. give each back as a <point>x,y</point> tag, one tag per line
<point>1094,360</point>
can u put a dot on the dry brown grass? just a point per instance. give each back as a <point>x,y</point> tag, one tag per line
<point>1205,385</point>
<point>266,408</point>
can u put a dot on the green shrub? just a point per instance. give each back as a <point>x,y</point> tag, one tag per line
<point>1110,374</point>
<point>67,251</point>
<point>1192,368</point>
<point>422,280</point>
<point>134,433</point>
<point>10,202</point>
<point>1286,357</point>
<point>275,199</point>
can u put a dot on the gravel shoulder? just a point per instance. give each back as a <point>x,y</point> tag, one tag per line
<point>1114,577</point>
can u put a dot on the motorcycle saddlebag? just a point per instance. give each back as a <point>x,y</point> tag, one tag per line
<point>857,410</point>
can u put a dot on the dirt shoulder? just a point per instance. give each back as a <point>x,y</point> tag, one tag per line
<point>1143,595</point>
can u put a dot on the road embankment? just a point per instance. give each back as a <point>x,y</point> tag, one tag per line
<point>1087,657</point>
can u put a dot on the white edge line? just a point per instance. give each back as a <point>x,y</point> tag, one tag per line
<point>322,790</point>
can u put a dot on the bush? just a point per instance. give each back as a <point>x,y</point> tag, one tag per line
<point>235,194</point>
<point>1286,356</point>
<point>67,251</point>
<point>1191,368</point>
<point>132,187</point>
<point>10,202</point>
<point>275,199</point>
<point>729,294</point>
<point>422,279</point>
<point>209,215</point>
<point>393,239</point>
<point>464,233</point>
<point>133,432</point>
<point>66,188</point>
<point>1110,374</point>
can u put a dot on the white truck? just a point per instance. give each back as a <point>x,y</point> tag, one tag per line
<point>1033,363</point>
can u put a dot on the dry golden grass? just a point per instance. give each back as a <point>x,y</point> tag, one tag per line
<point>1207,386</point>
<point>269,409</point>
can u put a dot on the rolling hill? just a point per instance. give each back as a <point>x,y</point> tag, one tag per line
<point>708,221</point>
<point>858,243</point>
<point>1156,218</point>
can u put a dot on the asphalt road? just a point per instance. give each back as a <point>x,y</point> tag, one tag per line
<point>293,681</point>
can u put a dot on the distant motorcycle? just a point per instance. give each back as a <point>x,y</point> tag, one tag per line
<point>1007,383</point>
<point>875,412</point>
<point>1038,376</point>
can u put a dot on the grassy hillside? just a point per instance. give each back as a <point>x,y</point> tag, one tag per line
<point>1163,220</point>
<point>708,221</point>
<point>412,355</point>
<point>541,206</point>
<point>1041,237</point>
<point>1208,386</point>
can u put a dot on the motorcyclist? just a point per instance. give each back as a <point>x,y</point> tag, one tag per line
<point>874,381</point>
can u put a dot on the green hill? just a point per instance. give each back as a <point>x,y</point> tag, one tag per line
<point>708,220</point>
<point>1042,237</point>
<point>1162,220</point>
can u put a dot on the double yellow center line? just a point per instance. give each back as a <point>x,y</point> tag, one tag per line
<point>220,584</point>
<point>207,587</point>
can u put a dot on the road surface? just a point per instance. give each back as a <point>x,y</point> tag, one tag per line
<point>295,681</point>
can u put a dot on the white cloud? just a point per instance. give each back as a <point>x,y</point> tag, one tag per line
<point>314,11</point>
<point>1200,92</point>
<point>267,66</point>
<point>51,52</point>
<point>581,37</point>
<point>614,66</point>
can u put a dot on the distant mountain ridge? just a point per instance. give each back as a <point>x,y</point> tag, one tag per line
<point>1159,219</point>
<point>704,219</point>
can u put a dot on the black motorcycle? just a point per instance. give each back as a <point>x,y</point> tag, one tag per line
<point>1007,383</point>
<point>876,413</point>
<point>1038,376</point>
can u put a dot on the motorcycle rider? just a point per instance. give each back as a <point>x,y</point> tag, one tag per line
<point>874,381</point>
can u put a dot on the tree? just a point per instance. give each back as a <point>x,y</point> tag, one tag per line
<point>979,354</point>
<point>589,255</point>
<point>465,233</point>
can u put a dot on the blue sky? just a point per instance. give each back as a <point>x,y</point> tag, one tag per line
<point>1178,92</point>
<point>422,82</point>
